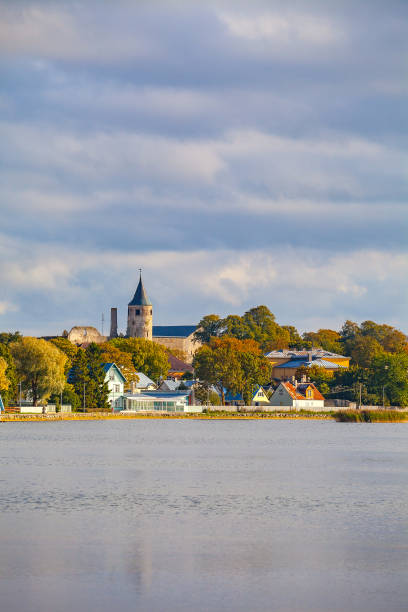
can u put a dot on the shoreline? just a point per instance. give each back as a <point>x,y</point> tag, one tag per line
<point>100,416</point>
<point>338,416</point>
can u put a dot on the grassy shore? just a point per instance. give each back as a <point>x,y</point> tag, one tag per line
<point>371,416</point>
<point>219,414</point>
<point>349,416</point>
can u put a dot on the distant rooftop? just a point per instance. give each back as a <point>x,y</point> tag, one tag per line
<point>299,363</point>
<point>292,354</point>
<point>175,331</point>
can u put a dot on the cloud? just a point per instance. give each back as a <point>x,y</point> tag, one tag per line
<point>240,152</point>
<point>74,285</point>
<point>59,33</point>
<point>287,29</point>
<point>7,307</point>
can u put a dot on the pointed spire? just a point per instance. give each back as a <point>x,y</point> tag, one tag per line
<point>140,298</point>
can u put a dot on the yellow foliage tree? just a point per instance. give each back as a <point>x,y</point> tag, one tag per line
<point>111,354</point>
<point>40,367</point>
<point>4,381</point>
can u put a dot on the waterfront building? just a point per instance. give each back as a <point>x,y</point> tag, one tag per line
<point>151,401</point>
<point>299,396</point>
<point>116,384</point>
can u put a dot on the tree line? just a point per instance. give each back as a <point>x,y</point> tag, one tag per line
<point>231,358</point>
<point>56,370</point>
<point>378,353</point>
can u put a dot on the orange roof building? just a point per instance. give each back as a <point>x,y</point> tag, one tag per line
<point>299,396</point>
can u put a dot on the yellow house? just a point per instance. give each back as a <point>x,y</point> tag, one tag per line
<point>285,362</point>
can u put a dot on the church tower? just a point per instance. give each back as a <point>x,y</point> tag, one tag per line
<point>140,314</point>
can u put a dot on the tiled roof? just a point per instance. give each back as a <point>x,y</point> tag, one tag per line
<point>321,363</point>
<point>178,365</point>
<point>299,392</point>
<point>175,331</point>
<point>292,354</point>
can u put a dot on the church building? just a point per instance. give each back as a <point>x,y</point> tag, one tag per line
<point>140,325</point>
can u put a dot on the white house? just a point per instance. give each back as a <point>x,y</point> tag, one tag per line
<point>299,396</point>
<point>116,384</point>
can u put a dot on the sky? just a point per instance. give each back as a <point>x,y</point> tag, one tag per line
<point>240,153</point>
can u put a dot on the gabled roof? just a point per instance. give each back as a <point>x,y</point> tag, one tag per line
<point>140,298</point>
<point>172,385</point>
<point>108,366</point>
<point>299,392</point>
<point>175,331</point>
<point>178,365</point>
<point>144,381</point>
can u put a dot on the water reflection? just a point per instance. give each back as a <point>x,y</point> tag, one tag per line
<point>203,516</point>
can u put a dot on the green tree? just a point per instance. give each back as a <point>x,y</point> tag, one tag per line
<point>147,356</point>
<point>40,366</point>
<point>256,370</point>
<point>69,397</point>
<point>80,378</point>
<point>390,372</point>
<point>232,364</point>
<point>363,349</point>
<point>204,394</point>
<point>208,327</point>
<point>9,337</point>
<point>98,388</point>
<point>217,364</point>
<point>295,340</point>
<point>87,377</point>
<point>328,339</point>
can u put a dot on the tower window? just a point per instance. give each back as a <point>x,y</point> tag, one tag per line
<point>138,311</point>
<point>151,311</point>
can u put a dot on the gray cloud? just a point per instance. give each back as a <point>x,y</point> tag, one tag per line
<point>193,137</point>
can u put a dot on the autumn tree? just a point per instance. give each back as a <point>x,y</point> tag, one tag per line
<point>40,367</point>
<point>257,324</point>
<point>123,359</point>
<point>4,381</point>
<point>232,364</point>
<point>147,356</point>
<point>9,395</point>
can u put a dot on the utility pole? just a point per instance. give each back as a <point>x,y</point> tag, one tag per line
<point>19,384</point>
<point>84,399</point>
<point>360,397</point>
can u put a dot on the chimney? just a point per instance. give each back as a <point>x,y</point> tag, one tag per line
<point>310,355</point>
<point>114,323</point>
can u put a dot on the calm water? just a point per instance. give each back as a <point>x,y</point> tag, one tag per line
<point>203,515</point>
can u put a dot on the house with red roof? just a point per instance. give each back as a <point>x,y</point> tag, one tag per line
<point>299,396</point>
